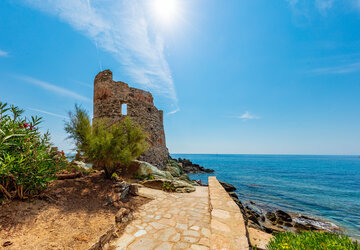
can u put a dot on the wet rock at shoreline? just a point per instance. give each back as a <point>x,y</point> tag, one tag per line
<point>271,216</point>
<point>190,168</point>
<point>267,220</point>
<point>227,186</point>
<point>282,216</point>
<point>233,195</point>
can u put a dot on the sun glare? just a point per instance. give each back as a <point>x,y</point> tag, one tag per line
<point>165,10</point>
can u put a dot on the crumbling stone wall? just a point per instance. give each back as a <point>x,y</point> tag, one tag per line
<point>110,96</point>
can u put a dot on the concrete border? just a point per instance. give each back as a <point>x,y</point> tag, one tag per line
<point>228,230</point>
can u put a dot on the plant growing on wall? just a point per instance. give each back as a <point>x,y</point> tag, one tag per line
<point>111,147</point>
<point>27,162</point>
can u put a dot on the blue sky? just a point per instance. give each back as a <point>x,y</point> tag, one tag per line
<point>234,76</point>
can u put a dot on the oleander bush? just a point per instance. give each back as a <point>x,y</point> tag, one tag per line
<point>111,147</point>
<point>27,162</point>
<point>312,240</point>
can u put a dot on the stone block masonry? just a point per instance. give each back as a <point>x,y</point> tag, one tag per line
<point>228,230</point>
<point>115,100</point>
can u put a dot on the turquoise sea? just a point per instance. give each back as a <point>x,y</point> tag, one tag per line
<point>326,187</point>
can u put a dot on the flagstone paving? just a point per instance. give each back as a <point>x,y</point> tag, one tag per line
<point>169,221</point>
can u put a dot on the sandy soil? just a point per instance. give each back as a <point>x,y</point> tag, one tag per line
<point>71,215</point>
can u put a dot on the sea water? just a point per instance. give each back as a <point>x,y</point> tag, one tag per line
<point>326,187</point>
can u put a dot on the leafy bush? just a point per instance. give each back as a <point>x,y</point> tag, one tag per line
<point>312,240</point>
<point>111,147</point>
<point>27,162</point>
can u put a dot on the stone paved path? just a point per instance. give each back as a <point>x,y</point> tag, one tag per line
<point>170,221</point>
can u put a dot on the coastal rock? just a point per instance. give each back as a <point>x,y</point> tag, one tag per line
<point>182,186</point>
<point>190,168</point>
<point>169,185</point>
<point>174,168</point>
<point>301,227</point>
<point>146,170</point>
<point>259,238</point>
<point>227,186</point>
<point>185,177</point>
<point>282,216</point>
<point>233,195</point>
<point>270,216</point>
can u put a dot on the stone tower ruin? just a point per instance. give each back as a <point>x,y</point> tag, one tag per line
<point>115,100</point>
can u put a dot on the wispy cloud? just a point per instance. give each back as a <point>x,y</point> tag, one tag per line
<point>340,69</point>
<point>173,112</point>
<point>3,53</point>
<point>123,29</point>
<point>247,116</point>
<point>48,113</point>
<point>53,88</point>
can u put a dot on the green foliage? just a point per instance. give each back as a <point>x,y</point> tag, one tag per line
<point>312,240</point>
<point>168,187</point>
<point>27,162</point>
<point>143,177</point>
<point>111,147</point>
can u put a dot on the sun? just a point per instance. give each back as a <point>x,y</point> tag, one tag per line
<point>165,10</point>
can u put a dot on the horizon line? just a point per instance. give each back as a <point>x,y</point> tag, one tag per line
<point>266,154</point>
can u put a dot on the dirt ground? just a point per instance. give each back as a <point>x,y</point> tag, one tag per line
<point>72,214</point>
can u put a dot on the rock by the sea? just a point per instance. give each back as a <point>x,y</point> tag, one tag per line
<point>169,185</point>
<point>146,170</point>
<point>190,168</point>
<point>270,216</point>
<point>282,216</point>
<point>174,168</point>
<point>227,186</point>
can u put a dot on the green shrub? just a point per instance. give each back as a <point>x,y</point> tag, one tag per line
<point>311,240</point>
<point>111,147</point>
<point>27,162</point>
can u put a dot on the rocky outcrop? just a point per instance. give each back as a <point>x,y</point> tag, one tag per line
<point>227,186</point>
<point>274,220</point>
<point>172,180</point>
<point>174,168</point>
<point>147,171</point>
<point>169,185</point>
<point>190,168</point>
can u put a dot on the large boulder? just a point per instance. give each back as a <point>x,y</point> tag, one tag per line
<point>169,185</point>
<point>147,171</point>
<point>174,168</point>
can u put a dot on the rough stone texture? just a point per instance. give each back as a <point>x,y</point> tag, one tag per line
<point>169,185</point>
<point>145,169</point>
<point>109,96</point>
<point>169,221</point>
<point>258,238</point>
<point>228,230</point>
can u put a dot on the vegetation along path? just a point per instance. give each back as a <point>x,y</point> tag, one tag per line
<point>169,221</point>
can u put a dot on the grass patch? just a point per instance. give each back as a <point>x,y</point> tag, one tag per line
<point>312,240</point>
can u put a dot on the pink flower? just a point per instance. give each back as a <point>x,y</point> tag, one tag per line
<point>26,125</point>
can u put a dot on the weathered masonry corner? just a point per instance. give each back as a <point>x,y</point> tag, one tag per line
<point>115,100</point>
